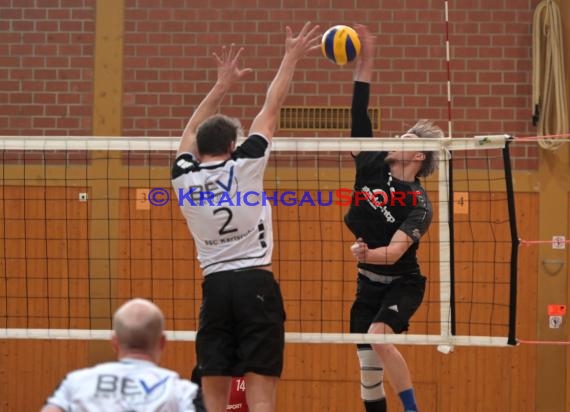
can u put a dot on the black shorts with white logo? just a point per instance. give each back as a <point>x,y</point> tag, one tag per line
<point>391,303</point>
<point>242,324</point>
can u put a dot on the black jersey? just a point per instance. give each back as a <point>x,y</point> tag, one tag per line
<point>380,203</point>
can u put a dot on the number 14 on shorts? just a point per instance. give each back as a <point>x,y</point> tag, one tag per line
<point>237,401</point>
<point>239,384</point>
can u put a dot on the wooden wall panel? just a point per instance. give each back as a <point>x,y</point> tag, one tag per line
<point>156,260</point>
<point>33,369</point>
<point>470,378</point>
<point>45,250</point>
<point>483,379</point>
<point>568,272</point>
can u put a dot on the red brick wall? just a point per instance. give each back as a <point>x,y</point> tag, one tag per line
<point>169,65</point>
<point>47,52</point>
<point>46,60</point>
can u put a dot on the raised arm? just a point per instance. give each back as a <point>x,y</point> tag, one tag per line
<point>365,62</point>
<point>265,123</point>
<point>361,126</point>
<point>228,74</point>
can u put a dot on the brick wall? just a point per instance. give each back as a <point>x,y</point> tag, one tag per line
<point>46,60</point>
<point>169,65</point>
<point>47,51</point>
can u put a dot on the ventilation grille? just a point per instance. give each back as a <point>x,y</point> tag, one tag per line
<point>321,118</point>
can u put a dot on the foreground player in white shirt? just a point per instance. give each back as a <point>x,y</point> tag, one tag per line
<point>219,188</point>
<point>134,383</point>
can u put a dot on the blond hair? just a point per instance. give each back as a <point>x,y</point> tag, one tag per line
<point>426,128</point>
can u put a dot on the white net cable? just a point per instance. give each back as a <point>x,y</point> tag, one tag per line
<point>47,143</point>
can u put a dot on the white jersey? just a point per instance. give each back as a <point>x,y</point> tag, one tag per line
<point>225,207</point>
<point>129,385</point>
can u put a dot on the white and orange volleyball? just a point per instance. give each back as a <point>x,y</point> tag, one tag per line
<point>340,44</point>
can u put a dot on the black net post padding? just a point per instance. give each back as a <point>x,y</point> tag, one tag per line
<point>450,201</point>
<point>514,244</point>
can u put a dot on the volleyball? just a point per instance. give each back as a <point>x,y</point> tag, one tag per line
<point>340,44</point>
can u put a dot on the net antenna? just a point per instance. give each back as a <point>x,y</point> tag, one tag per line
<point>50,291</point>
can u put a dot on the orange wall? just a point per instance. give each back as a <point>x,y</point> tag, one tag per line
<point>154,260</point>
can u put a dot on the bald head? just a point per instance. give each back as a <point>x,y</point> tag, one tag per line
<point>138,325</point>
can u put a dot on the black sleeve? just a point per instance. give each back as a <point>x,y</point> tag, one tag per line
<point>197,379</point>
<point>417,223</point>
<point>253,148</point>
<point>199,402</point>
<point>183,164</point>
<point>196,376</point>
<point>361,126</point>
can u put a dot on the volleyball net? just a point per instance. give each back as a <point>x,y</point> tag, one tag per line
<point>89,222</point>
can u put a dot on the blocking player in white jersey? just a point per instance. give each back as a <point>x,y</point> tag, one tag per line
<point>134,383</point>
<point>219,188</point>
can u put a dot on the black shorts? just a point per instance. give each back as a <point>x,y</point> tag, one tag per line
<point>242,324</point>
<point>392,303</point>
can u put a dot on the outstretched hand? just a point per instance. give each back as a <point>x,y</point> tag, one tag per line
<point>228,70</point>
<point>307,40</point>
<point>367,41</point>
<point>365,62</point>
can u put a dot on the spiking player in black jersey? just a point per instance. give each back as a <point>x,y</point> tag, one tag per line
<point>390,286</point>
<point>241,330</point>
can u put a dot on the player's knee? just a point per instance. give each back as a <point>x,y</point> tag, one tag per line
<point>371,375</point>
<point>382,348</point>
<point>386,351</point>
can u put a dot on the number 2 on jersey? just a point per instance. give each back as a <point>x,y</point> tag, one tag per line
<point>224,229</point>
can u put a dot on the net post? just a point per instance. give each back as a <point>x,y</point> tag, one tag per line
<point>514,244</point>
<point>444,246</point>
<point>450,204</point>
